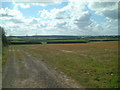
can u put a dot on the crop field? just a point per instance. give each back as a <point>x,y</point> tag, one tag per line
<point>58,39</point>
<point>93,65</point>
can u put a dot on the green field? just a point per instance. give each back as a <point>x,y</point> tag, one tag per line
<point>58,39</point>
<point>93,65</point>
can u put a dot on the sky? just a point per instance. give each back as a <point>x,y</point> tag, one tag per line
<point>71,17</point>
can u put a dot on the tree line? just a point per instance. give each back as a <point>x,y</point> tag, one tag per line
<point>3,37</point>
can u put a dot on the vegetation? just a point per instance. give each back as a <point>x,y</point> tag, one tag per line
<point>3,45</point>
<point>3,37</point>
<point>58,39</point>
<point>92,65</point>
<point>4,55</point>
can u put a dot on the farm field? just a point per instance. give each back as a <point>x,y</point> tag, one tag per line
<point>93,65</point>
<point>59,44</point>
<point>58,39</point>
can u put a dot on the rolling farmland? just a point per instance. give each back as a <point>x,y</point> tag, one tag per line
<point>91,65</point>
<point>69,62</point>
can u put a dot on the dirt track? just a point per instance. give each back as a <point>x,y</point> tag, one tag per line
<point>28,72</point>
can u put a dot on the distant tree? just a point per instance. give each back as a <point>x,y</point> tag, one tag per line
<point>3,37</point>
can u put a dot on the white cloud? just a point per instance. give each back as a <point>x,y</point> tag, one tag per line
<point>10,12</point>
<point>11,17</point>
<point>42,2</point>
<point>72,19</point>
<point>24,5</point>
<point>46,3</point>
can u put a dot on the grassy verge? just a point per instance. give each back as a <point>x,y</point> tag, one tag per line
<point>94,65</point>
<point>0,59</point>
<point>4,55</point>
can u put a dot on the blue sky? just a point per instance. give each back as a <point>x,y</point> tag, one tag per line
<point>62,18</point>
<point>33,10</point>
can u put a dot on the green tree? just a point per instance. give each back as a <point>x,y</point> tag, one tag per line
<point>3,37</point>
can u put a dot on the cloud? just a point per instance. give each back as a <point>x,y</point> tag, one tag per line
<point>10,13</point>
<point>111,14</point>
<point>32,20</point>
<point>16,21</point>
<point>106,9</point>
<point>6,15</point>
<point>110,11</point>
<point>61,25</point>
<point>21,5</point>
<point>13,20</point>
<point>72,12</point>
<point>27,3</point>
<point>84,20</point>
<point>46,2</point>
<point>72,19</point>
<point>24,5</point>
<point>101,5</point>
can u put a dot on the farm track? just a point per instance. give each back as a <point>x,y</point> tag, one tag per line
<point>25,71</point>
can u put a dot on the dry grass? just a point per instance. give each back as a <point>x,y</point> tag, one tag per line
<point>92,65</point>
<point>5,55</point>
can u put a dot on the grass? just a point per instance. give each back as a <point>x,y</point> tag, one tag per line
<point>4,55</point>
<point>93,65</point>
<point>0,57</point>
<point>0,50</point>
<point>53,40</point>
<point>18,54</point>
